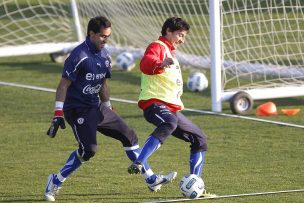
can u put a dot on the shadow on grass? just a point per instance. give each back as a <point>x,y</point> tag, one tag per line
<point>73,197</point>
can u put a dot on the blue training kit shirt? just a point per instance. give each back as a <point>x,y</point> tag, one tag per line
<point>87,67</point>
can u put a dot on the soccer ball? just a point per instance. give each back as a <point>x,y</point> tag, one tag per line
<point>192,186</point>
<point>125,61</point>
<point>197,82</point>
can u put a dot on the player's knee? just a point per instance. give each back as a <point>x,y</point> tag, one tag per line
<point>163,131</point>
<point>131,138</point>
<point>199,144</point>
<point>87,154</point>
<point>169,127</point>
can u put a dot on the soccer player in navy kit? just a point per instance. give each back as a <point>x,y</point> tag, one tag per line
<point>82,97</point>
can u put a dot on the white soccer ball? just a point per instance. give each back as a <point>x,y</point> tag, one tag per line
<point>197,82</point>
<point>125,61</point>
<point>192,186</point>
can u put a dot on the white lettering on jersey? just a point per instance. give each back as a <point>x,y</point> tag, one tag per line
<point>91,90</point>
<point>92,76</point>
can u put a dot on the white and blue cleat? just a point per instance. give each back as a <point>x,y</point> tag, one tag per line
<point>161,180</point>
<point>51,189</point>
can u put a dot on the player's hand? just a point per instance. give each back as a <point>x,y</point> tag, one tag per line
<point>166,63</point>
<point>57,121</point>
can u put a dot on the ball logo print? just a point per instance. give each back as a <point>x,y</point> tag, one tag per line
<point>192,186</point>
<point>197,82</point>
<point>125,61</point>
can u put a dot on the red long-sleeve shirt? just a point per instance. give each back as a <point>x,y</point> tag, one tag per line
<point>150,65</point>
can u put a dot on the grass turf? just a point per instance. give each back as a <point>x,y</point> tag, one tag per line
<point>243,156</point>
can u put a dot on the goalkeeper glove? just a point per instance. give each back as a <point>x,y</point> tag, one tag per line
<point>57,121</point>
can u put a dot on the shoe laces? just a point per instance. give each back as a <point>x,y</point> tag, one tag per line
<point>55,189</point>
<point>160,176</point>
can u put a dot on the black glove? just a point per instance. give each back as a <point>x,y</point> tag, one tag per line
<point>56,122</point>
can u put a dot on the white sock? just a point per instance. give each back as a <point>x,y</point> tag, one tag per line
<point>60,177</point>
<point>148,173</point>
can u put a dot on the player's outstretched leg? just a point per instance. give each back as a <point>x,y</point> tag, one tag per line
<point>160,180</point>
<point>55,181</point>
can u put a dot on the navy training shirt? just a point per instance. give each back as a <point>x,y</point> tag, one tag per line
<point>87,68</point>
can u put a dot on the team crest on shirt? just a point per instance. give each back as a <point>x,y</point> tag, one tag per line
<point>107,63</point>
<point>80,120</point>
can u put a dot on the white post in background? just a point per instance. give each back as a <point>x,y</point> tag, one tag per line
<point>215,51</point>
<point>80,36</point>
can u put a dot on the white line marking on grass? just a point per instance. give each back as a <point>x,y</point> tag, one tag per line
<point>186,109</point>
<point>228,196</point>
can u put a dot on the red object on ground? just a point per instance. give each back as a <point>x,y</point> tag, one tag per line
<point>267,109</point>
<point>290,112</point>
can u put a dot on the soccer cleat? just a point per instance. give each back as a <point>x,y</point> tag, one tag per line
<point>135,168</point>
<point>208,195</point>
<point>161,180</point>
<point>51,189</point>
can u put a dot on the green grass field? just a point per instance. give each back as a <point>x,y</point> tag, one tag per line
<point>244,156</point>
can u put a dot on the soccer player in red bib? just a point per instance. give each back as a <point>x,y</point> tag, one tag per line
<point>160,99</point>
<point>82,97</point>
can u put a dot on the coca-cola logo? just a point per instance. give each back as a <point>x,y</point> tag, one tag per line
<point>91,90</point>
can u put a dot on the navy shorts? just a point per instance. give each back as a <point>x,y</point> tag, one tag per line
<point>176,124</point>
<point>85,122</point>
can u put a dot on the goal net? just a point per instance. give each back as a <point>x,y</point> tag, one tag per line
<point>261,46</point>
<point>36,27</point>
<point>256,46</point>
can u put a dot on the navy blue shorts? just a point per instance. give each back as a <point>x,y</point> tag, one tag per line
<point>176,124</point>
<point>85,122</point>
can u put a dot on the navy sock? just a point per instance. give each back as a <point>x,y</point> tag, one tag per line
<point>197,163</point>
<point>72,164</point>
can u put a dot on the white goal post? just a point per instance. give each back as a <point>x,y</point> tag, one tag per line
<point>251,47</point>
<point>257,41</point>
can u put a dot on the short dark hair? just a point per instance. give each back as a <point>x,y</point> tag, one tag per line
<point>96,23</point>
<point>174,24</point>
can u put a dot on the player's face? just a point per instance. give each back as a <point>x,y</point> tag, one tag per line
<point>177,37</point>
<point>100,39</point>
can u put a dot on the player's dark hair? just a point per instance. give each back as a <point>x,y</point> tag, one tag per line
<point>96,23</point>
<point>174,24</point>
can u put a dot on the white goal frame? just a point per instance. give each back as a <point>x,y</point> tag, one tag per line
<point>218,95</point>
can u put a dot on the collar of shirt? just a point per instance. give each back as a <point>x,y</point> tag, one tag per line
<point>170,46</point>
<point>91,46</point>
